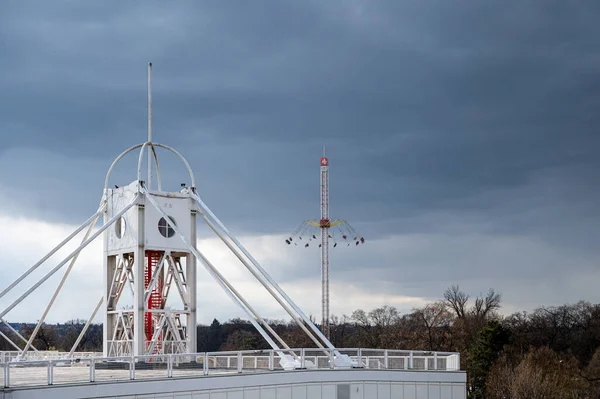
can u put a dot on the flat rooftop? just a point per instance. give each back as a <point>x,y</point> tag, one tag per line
<point>54,368</point>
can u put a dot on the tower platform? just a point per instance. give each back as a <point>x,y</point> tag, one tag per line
<point>375,374</point>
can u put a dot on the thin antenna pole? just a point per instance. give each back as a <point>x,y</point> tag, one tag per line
<point>149,125</point>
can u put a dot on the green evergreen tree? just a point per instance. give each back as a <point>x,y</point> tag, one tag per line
<point>490,343</point>
<point>215,336</point>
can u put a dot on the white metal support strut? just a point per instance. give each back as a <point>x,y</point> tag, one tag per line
<point>71,255</point>
<point>53,251</point>
<point>340,360</point>
<point>264,273</point>
<point>236,252</point>
<point>60,285</point>
<point>10,341</point>
<point>85,328</point>
<point>223,283</point>
<point>18,334</point>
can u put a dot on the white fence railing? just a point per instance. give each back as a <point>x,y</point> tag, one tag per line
<point>11,356</point>
<point>56,369</point>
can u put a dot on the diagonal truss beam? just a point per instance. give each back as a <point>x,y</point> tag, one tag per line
<point>258,277</point>
<point>154,279</point>
<point>265,276</point>
<point>177,274</point>
<point>223,283</point>
<point>69,257</point>
<point>120,278</point>
<point>85,328</point>
<point>61,284</point>
<point>10,341</point>
<point>18,334</point>
<point>54,250</point>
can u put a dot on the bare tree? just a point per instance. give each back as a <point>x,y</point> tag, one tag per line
<point>437,321</point>
<point>592,375</point>
<point>384,316</point>
<point>241,340</point>
<point>339,327</point>
<point>485,306</point>
<point>457,300</point>
<point>500,380</point>
<point>542,373</point>
<point>360,317</point>
<point>374,327</point>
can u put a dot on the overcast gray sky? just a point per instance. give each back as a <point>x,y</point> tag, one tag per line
<point>462,137</point>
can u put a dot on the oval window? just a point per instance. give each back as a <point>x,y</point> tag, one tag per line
<point>120,227</point>
<point>165,229</point>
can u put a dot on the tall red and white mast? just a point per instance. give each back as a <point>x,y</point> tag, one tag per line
<point>337,230</point>
<point>325,224</point>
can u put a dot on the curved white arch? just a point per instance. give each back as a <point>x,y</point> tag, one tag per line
<point>127,151</point>
<point>187,165</point>
<point>139,173</point>
<point>140,158</point>
<point>117,159</point>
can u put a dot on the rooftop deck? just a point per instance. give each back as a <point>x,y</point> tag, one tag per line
<point>53,368</point>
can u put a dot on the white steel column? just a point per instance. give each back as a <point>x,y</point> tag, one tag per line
<point>110,267</point>
<point>190,278</point>
<point>107,279</point>
<point>139,305</point>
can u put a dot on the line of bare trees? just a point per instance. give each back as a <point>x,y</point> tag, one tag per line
<point>521,356</point>
<point>551,352</point>
<point>59,336</point>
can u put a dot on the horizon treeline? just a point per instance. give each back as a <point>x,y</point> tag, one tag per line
<point>549,352</point>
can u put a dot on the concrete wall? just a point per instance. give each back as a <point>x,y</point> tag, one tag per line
<point>334,384</point>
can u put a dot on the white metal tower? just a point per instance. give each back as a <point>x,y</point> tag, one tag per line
<point>141,251</point>
<point>150,257</point>
<point>325,224</point>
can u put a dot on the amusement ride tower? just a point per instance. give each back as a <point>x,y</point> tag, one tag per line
<point>325,225</point>
<point>140,251</point>
<point>329,229</point>
<point>150,259</point>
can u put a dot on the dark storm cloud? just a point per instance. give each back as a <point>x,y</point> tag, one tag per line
<point>426,106</point>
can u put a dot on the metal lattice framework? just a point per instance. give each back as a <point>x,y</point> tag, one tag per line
<point>150,252</point>
<point>336,230</point>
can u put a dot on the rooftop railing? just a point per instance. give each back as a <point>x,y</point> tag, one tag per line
<point>86,368</point>
<point>12,356</point>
